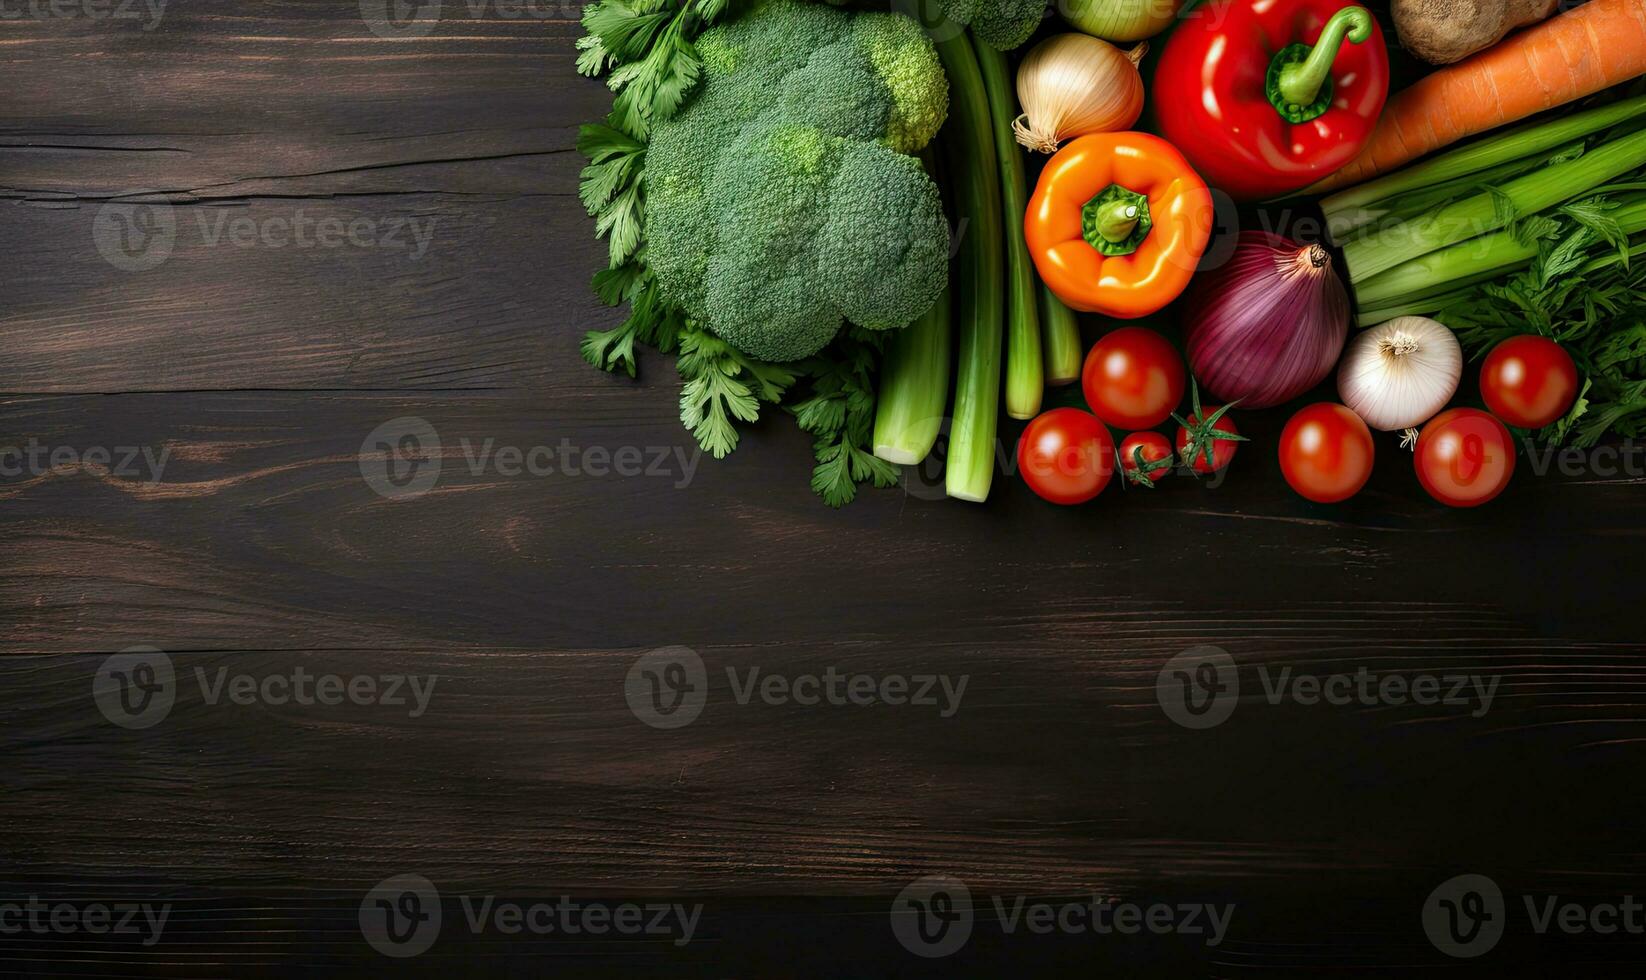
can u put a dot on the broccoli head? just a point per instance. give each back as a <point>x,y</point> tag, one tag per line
<point>782,200</point>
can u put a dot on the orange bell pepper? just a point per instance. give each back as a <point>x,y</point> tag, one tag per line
<point>1118,223</point>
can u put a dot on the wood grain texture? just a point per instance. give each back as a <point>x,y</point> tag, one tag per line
<point>257,374</point>
<point>295,113</point>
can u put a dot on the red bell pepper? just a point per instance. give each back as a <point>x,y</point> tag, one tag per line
<point>1269,98</point>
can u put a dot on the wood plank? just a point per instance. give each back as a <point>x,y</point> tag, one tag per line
<point>263,545</point>
<point>264,487</point>
<point>295,119</point>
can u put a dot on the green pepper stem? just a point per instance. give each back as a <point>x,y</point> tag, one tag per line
<point>1300,84</point>
<point>1116,220</point>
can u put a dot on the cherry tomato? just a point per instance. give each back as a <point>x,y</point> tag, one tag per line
<point>1066,456</point>
<point>1222,447</point>
<point>1133,378</point>
<point>1155,452</point>
<point>1326,452</point>
<point>1464,457</point>
<point>1528,381</point>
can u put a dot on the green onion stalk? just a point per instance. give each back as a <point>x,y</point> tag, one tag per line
<point>968,146</point>
<point>1025,373</point>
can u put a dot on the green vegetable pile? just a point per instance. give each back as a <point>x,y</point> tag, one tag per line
<point>756,191</point>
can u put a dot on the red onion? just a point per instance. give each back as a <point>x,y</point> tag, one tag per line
<point>1270,324</point>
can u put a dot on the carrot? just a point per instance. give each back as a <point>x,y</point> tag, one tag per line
<point>1593,47</point>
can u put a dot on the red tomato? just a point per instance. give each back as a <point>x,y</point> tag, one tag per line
<point>1528,381</point>
<point>1133,378</point>
<point>1156,453</point>
<point>1326,453</point>
<point>1464,457</point>
<point>1222,449</point>
<point>1066,456</point>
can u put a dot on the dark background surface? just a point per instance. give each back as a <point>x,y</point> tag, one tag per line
<point>261,370</point>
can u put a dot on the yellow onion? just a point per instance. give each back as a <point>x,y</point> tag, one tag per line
<point>1121,20</point>
<point>1071,85</point>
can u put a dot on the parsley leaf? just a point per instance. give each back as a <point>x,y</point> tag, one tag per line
<point>652,318</point>
<point>723,387</point>
<point>840,415</point>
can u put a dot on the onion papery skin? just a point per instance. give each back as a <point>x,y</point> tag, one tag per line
<point>1398,389</point>
<point>1269,325</point>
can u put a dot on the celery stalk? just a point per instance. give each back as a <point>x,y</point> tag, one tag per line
<point>1482,213</point>
<point>914,387</point>
<point>1468,262</point>
<point>1064,357</point>
<point>1477,257</point>
<point>1361,222</point>
<point>1437,302</point>
<point>967,142</point>
<point>914,376</point>
<point>1025,374</point>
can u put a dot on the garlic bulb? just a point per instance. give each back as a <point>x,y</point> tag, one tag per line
<point>1073,84</point>
<point>1399,374</point>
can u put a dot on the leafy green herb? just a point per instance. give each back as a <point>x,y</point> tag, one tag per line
<point>723,387</point>
<point>1595,214</point>
<point>610,187</point>
<point>652,319</point>
<point>840,416</point>
<point>647,47</point>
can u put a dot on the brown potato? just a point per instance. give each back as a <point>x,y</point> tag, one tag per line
<point>1443,31</point>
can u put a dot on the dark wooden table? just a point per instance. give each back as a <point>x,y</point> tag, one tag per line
<point>364,229</point>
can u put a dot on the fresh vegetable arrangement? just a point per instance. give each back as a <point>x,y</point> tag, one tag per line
<point>894,232</point>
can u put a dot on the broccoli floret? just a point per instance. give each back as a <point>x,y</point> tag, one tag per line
<point>781,200</point>
<point>1001,24</point>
